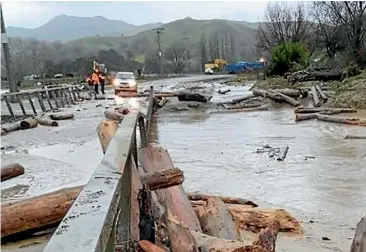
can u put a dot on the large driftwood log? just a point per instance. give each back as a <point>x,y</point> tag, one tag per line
<point>163,179</point>
<point>354,137</point>
<point>302,110</point>
<point>267,94</point>
<point>113,115</point>
<point>325,75</point>
<point>336,119</point>
<point>255,219</point>
<point>217,220</point>
<point>314,94</point>
<point>192,97</point>
<point>62,116</point>
<point>267,237</point>
<point>359,241</point>
<point>46,121</point>
<point>239,110</point>
<point>241,99</point>
<point>10,127</point>
<point>321,93</point>
<point>28,123</point>
<point>180,237</point>
<point>302,117</point>
<point>11,170</point>
<point>106,131</point>
<point>154,158</point>
<point>227,200</point>
<point>147,246</point>
<point>289,100</point>
<point>288,91</point>
<point>36,212</point>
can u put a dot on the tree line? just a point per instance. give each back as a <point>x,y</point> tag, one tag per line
<point>293,33</point>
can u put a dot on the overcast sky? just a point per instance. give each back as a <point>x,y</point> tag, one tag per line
<point>35,14</point>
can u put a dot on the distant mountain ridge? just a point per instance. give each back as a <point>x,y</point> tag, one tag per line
<point>66,28</point>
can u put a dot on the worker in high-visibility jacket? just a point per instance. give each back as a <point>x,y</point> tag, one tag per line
<point>102,81</point>
<point>95,79</point>
<point>89,80</point>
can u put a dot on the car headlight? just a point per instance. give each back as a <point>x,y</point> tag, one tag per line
<point>115,82</point>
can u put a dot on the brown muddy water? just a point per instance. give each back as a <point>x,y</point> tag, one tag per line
<point>321,182</point>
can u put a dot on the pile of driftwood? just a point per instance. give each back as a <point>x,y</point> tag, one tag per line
<point>32,122</point>
<point>321,75</point>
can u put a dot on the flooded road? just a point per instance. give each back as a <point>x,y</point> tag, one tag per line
<point>321,181</point>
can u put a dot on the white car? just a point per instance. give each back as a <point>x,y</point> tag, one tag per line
<point>125,81</point>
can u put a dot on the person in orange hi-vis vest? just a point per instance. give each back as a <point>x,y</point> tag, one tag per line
<point>102,81</point>
<point>95,79</point>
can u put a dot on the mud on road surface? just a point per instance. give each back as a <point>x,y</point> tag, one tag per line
<point>321,182</point>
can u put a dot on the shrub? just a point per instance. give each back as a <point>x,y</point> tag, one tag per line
<point>288,55</point>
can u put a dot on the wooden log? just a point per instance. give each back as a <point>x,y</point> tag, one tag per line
<point>62,116</point>
<point>163,179</point>
<point>192,97</point>
<point>227,200</point>
<point>354,137</point>
<point>180,237</point>
<point>267,237</point>
<point>113,115</point>
<point>36,212</point>
<point>147,246</point>
<point>106,131</point>
<point>224,91</point>
<point>283,154</point>
<point>289,100</point>
<point>267,94</point>
<point>28,123</point>
<point>123,110</point>
<point>314,94</point>
<point>162,102</point>
<point>344,120</point>
<point>244,105</point>
<point>241,99</point>
<point>154,158</point>
<point>3,132</point>
<point>46,121</point>
<point>287,91</point>
<point>261,108</point>
<point>321,93</point>
<point>302,117</point>
<point>11,170</point>
<point>11,127</point>
<point>302,110</point>
<point>359,240</point>
<point>217,220</point>
<point>255,219</point>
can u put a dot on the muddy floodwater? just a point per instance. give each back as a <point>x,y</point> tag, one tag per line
<point>321,182</point>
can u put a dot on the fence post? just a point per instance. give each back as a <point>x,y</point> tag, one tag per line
<point>21,104</point>
<point>39,96</point>
<point>32,104</point>
<point>9,106</point>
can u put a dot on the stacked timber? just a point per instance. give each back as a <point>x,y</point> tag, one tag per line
<point>11,170</point>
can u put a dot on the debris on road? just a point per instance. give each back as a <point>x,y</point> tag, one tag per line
<point>224,91</point>
<point>46,121</point>
<point>274,152</point>
<point>28,123</point>
<point>193,97</point>
<point>62,116</point>
<point>354,137</point>
<point>113,115</point>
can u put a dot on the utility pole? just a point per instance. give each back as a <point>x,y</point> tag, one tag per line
<point>4,41</point>
<point>158,32</point>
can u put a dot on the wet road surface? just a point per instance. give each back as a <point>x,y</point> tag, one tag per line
<point>217,152</point>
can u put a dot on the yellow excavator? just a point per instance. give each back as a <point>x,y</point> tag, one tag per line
<point>215,65</point>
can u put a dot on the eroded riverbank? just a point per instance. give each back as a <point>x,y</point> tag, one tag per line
<point>217,152</point>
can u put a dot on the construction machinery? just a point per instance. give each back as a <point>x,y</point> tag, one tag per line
<point>214,65</point>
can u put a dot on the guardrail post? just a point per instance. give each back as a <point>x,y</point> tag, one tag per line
<point>142,129</point>
<point>48,99</point>
<point>32,104</point>
<point>9,106</point>
<point>58,91</point>
<point>21,104</point>
<point>53,93</point>
<point>39,96</point>
<point>63,92</point>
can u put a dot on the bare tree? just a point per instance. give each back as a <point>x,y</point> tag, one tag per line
<point>283,23</point>
<point>203,52</point>
<point>351,15</point>
<point>177,55</point>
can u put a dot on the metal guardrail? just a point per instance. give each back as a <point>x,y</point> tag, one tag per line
<point>100,218</point>
<point>57,97</point>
